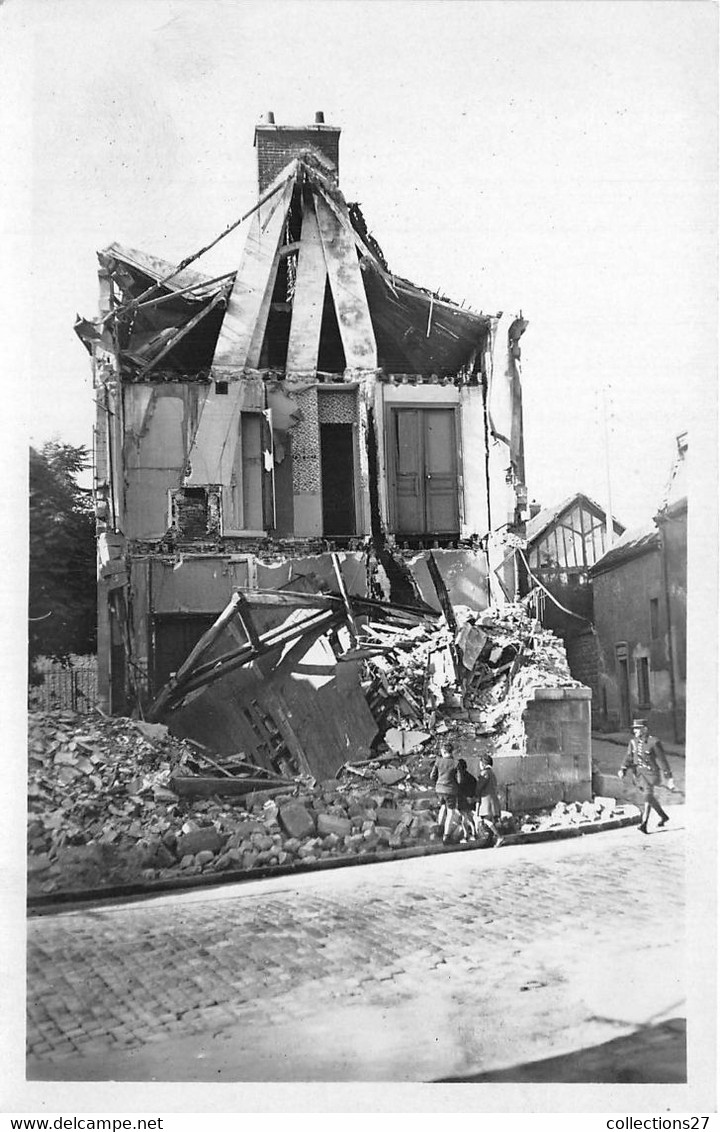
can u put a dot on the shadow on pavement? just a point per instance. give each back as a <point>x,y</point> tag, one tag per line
<point>653,1055</point>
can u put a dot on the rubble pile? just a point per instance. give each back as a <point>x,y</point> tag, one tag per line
<point>484,674</point>
<point>108,803</point>
<point>103,812</point>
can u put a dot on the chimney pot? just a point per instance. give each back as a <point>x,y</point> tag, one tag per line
<point>270,118</point>
<point>319,117</point>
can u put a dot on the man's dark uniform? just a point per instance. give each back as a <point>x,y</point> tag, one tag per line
<point>646,758</point>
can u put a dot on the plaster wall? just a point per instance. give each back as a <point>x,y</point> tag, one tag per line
<point>475,518</point>
<point>621,601</point>
<point>159,422</point>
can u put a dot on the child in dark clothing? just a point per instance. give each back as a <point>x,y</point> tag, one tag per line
<point>466,798</point>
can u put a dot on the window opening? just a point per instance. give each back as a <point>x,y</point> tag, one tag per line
<point>195,512</point>
<point>654,618</point>
<point>642,668</point>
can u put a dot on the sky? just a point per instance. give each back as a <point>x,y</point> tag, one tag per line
<point>554,158</point>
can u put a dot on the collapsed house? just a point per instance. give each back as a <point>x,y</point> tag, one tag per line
<point>310,402</point>
<point>114,801</point>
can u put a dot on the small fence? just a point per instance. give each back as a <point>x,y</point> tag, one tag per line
<point>65,689</point>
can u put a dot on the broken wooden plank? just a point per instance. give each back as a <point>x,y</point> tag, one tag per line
<point>212,453</point>
<point>272,639</point>
<point>249,290</point>
<point>308,301</point>
<point>344,595</point>
<point>442,593</point>
<point>200,786</point>
<point>348,289</point>
<point>184,330</point>
<point>215,670</point>
<point>201,648</point>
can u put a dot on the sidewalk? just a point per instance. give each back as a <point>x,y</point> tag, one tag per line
<point>622,738</point>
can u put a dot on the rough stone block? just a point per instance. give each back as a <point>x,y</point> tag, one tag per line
<point>204,857</point>
<point>507,768</point>
<point>578,791</point>
<point>296,820</point>
<point>199,840</point>
<point>534,796</point>
<point>388,817</point>
<point>38,864</point>
<point>333,823</point>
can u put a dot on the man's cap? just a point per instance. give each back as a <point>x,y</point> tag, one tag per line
<point>639,723</point>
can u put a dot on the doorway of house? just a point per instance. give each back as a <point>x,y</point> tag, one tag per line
<point>423,471</point>
<point>337,470</point>
<point>174,637</point>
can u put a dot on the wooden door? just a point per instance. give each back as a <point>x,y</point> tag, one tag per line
<point>423,468</point>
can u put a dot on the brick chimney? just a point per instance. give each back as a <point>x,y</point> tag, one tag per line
<point>277,145</point>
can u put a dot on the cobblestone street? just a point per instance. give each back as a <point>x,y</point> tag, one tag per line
<point>409,970</point>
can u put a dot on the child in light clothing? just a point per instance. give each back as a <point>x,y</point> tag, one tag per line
<point>488,807</point>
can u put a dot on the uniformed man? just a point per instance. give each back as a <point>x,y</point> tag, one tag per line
<point>646,758</point>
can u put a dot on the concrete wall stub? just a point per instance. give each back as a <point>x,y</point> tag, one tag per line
<point>557,763</point>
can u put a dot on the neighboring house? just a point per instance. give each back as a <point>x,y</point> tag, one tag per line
<point>563,543</point>
<point>309,401</point>
<point>640,613</point>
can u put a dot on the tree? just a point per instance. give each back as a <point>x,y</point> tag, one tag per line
<point>62,597</point>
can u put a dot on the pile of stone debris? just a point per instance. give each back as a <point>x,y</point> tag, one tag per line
<point>107,805</point>
<point>484,673</point>
<point>103,811</point>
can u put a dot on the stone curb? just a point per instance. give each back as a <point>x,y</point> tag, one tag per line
<point>49,903</point>
<point>570,831</point>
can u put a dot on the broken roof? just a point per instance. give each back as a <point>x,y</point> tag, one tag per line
<point>642,540</point>
<point>416,330</point>
<point>549,515</point>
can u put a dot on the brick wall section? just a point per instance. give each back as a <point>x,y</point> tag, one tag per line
<point>277,145</point>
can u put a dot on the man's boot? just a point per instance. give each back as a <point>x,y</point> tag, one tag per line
<point>645,815</point>
<point>663,819</point>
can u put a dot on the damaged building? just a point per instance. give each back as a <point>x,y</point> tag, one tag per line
<point>307,422</point>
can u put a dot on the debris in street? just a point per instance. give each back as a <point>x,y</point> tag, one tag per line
<point>116,801</point>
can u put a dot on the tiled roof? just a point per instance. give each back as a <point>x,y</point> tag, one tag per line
<point>639,541</point>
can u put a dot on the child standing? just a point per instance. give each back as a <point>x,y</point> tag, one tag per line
<point>467,784</point>
<point>444,775</point>
<point>488,807</point>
